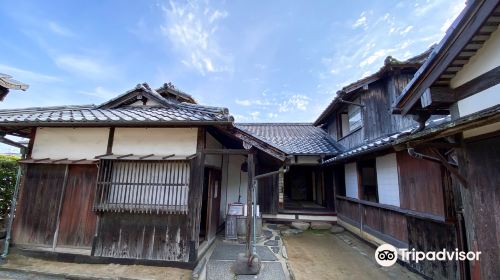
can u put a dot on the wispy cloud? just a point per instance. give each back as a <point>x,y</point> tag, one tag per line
<point>60,30</point>
<point>26,75</point>
<point>295,102</point>
<point>191,29</point>
<point>86,66</point>
<point>361,21</point>
<point>101,93</point>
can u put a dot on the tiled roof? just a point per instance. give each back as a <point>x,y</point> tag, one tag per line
<point>389,64</point>
<point>292,138</point>
<point>381,143</point>
<point>119,111</point>
<point>130,115</point>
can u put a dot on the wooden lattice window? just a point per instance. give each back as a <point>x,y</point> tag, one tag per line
<point>143,186</point>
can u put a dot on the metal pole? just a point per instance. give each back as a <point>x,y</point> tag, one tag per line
<point>11,214</point>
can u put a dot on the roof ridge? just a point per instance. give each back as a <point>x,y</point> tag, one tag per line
<point>278,123</point>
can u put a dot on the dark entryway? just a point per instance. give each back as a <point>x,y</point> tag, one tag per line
<point>304,188</point>
<point>210,210</point>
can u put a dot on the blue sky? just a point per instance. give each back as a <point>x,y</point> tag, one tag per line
<point>267,61</point>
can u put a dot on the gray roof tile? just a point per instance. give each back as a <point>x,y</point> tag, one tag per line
<point>292,138</point>
<point>91,114</point>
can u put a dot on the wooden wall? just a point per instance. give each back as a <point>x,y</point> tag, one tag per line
<point>77,223</point>
<point>428,236</point>
<point>377,119</point>
<point>40,206</point>
<point>480,164</point>
<point>39,196</point>
<point>420,184</point>
<point>143,236</point>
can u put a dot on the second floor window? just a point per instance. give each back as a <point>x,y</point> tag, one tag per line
<point>350,120</point>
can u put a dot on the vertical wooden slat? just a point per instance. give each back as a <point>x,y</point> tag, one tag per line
<point>59,209</point>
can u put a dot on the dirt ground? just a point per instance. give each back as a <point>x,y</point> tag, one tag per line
<point>322,255</point>
<point>114,271</point>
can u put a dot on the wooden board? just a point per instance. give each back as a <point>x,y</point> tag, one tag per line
<point>77,221</point>
<point>420,184</point>
<point>143,236</point>
<point>36,215</point>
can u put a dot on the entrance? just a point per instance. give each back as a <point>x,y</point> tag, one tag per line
<point>210,209</point>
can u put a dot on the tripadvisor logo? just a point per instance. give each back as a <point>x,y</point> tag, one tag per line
<point>387,255</point>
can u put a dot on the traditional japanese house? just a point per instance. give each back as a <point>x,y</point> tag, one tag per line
<point>462,77</point>
<point>304,192</point>
<point>381,194</point>
<point>127,179</point>
<point>148,175</point>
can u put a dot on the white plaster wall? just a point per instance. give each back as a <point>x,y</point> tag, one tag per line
<point>388,180</point>
<point>231,182</point>
<point>351,180</point>
<point>150,102</point>
<point>479,101</point>
<point>212,143</point>
<point>158,141</point>
<point>487,58</point>
<point>71,143</point>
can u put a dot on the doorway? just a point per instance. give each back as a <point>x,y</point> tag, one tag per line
<point>210,209</point>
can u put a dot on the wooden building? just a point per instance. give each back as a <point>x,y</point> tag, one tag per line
<point>462,77</point>
<point>384,195</point>
<point>122,180</point>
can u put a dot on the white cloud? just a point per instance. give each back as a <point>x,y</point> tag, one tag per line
<point>295,102</point>
<point>60,30</point>
<point>26,75</point>
<point>361,21</point>
<point>255,115</point>
<point>191,29</point>
<point>258,102</point>
<point>101,92</point>
<point>272,115</point>
<point>84,66</point>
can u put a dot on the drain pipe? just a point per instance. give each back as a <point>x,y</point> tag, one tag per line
<point>11,217</point>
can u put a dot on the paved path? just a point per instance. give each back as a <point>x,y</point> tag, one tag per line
<point>321,255</point>
<point>269,249</point>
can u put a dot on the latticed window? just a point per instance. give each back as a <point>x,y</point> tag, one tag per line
<point>143,186</point>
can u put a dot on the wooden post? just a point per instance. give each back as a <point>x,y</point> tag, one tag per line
<point>195,194</point>
<point>59,209</point>
<point>251,171</point>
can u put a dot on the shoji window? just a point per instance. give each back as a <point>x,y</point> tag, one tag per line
<point>351,180</point>
<point>387,180</point>
<point>143,186</point>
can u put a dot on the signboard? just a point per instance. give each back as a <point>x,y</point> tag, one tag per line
<point>235,209</point>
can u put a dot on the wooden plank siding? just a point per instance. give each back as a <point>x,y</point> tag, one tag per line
<point>36,213</point>
<point>376,119</point>
<point>143,236</point>
<point>420,184</point>
<point>77,223</point>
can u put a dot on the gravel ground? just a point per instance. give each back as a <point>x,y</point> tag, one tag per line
<point>318,254</point>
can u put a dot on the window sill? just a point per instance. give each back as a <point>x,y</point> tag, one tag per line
<point>350,133</point>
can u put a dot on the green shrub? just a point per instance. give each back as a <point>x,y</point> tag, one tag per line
<point>8,173</point>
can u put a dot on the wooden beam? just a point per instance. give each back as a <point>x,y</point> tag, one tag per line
<point>111,136</point>
<point>478,84</point>
<point>437,95</point>
<point>227,151</point>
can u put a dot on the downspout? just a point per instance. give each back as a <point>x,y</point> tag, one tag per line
<point>11,214</point>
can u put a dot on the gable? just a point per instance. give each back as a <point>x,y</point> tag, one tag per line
<point>141,95</point>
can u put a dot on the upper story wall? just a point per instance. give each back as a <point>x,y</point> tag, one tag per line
<point>486,59</point>
<point>377,120</point>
